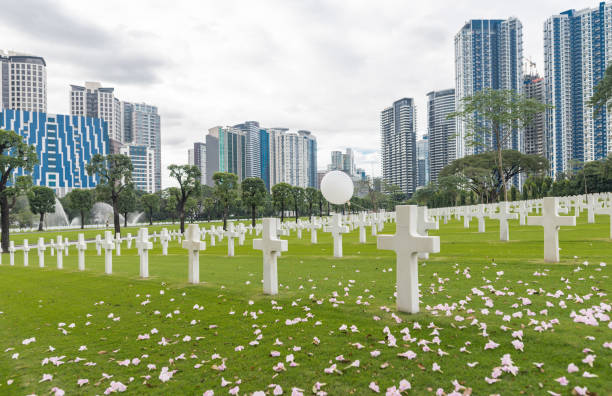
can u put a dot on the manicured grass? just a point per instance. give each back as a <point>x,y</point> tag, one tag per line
<point>324,294</point>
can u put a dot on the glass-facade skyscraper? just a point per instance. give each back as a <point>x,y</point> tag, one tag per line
<point>398,145</point>
<point>577,49</point>
<point>441,131</point>
<point>488,55</point>
<point>64,146</point>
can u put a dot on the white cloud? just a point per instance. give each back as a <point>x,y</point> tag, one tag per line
<point>326,66</point>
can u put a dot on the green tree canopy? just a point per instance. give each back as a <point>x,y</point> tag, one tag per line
<point>42,200</point>
<point>496,115</point>
<point>127,202</point>
<point>281,194</point>
<point>14,154</point>
<point>311,196</point>
<point>114,173</point>
<point>226,192</point>
<point>188,179</point>
<point>81,200</point>
<point>150,203</point>
<point>253,194</point>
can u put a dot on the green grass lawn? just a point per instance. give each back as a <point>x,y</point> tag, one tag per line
<point>476,290</point>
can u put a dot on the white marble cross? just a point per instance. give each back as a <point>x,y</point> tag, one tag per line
<point>591,206</point>
<point>373,223</point>
<point>108,245</point>
<point>26,252</point>
<point>480,215</point>
<point>241,234</point>
<point>271,246</point>
<point>231,234</point>
<point>523,212</point>
<point>193,244</point>
<point>299,227</point>
<point>129,239</point>
<point>407,243</point>
<point>118,244</point>
<point>424,224</point>
<point>164,238</point>
<point>98,244</point>
<point>41,247</point>
<point>503,216</point>
<point>11,253</point>
<point>144,245</point>
<point>212,236</point>
<point>467,217</point>
<point>362,222</point>
<point>337,229</point>
<point>60,246</point>
<point>551,221</point>
<point>81,246</point>
<point>313,227</point>
<point>52,245</point>
<point>606,210</point>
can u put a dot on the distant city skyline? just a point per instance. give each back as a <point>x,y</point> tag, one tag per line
<point>322,70</point>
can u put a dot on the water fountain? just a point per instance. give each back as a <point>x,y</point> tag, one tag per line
<point>56,219</point>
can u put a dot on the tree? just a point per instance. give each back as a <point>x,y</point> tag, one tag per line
<point>14,154</point>
<point>188,178</point>
<point>497,114</point>
<point>311,196</point>
<point>297,198</point>
<point>42,200</point>
<point>602,95</point>
<point>126,203</point>
<point>226,192</point>
<point>150,202</point>
<point>281,193</point>
<point>481,173</point>
<point>114,173</point>
<point>80,200</point>
<point>253,194</point>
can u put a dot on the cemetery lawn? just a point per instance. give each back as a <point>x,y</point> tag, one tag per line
<point>330,314</point>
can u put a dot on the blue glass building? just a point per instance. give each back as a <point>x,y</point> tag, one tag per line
<point>488,55</point>
<point>264,157</point>
<point>575,45</point>
<point>64,144</point>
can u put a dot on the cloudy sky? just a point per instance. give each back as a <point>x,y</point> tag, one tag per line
<point>326,66</point>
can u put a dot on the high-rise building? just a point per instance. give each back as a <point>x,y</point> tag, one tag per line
<point>146,131</point>
<point>197,157</point>
<point>225,152</point>
<point>488,55</point>
<point>23,82</point>
<point>264,157</point>
<point>253,160</point>
<point>93,100</point>
<point>535,131</point>
<point>577,49</point>
<point>441,131</point>
<point>127,112</point>
<point>143,164</point>
<point>422,161</point>
<point>398,145</point>
<point>64,146</point>
<point>337,160</point>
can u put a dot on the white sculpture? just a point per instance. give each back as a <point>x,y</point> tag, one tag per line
<point>271,247</point>
<point>551,221</point>
<point>407,244</point>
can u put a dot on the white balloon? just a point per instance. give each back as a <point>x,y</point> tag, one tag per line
<point>337,187</point>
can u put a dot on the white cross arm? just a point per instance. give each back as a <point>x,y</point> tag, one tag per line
<point>275,245</point>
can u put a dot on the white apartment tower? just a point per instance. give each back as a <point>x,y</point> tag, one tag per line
<point>398,145</point>
<point>488,55</point>
<point>441,131</point>
<point>93,100</point>
<point>23,82</point>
